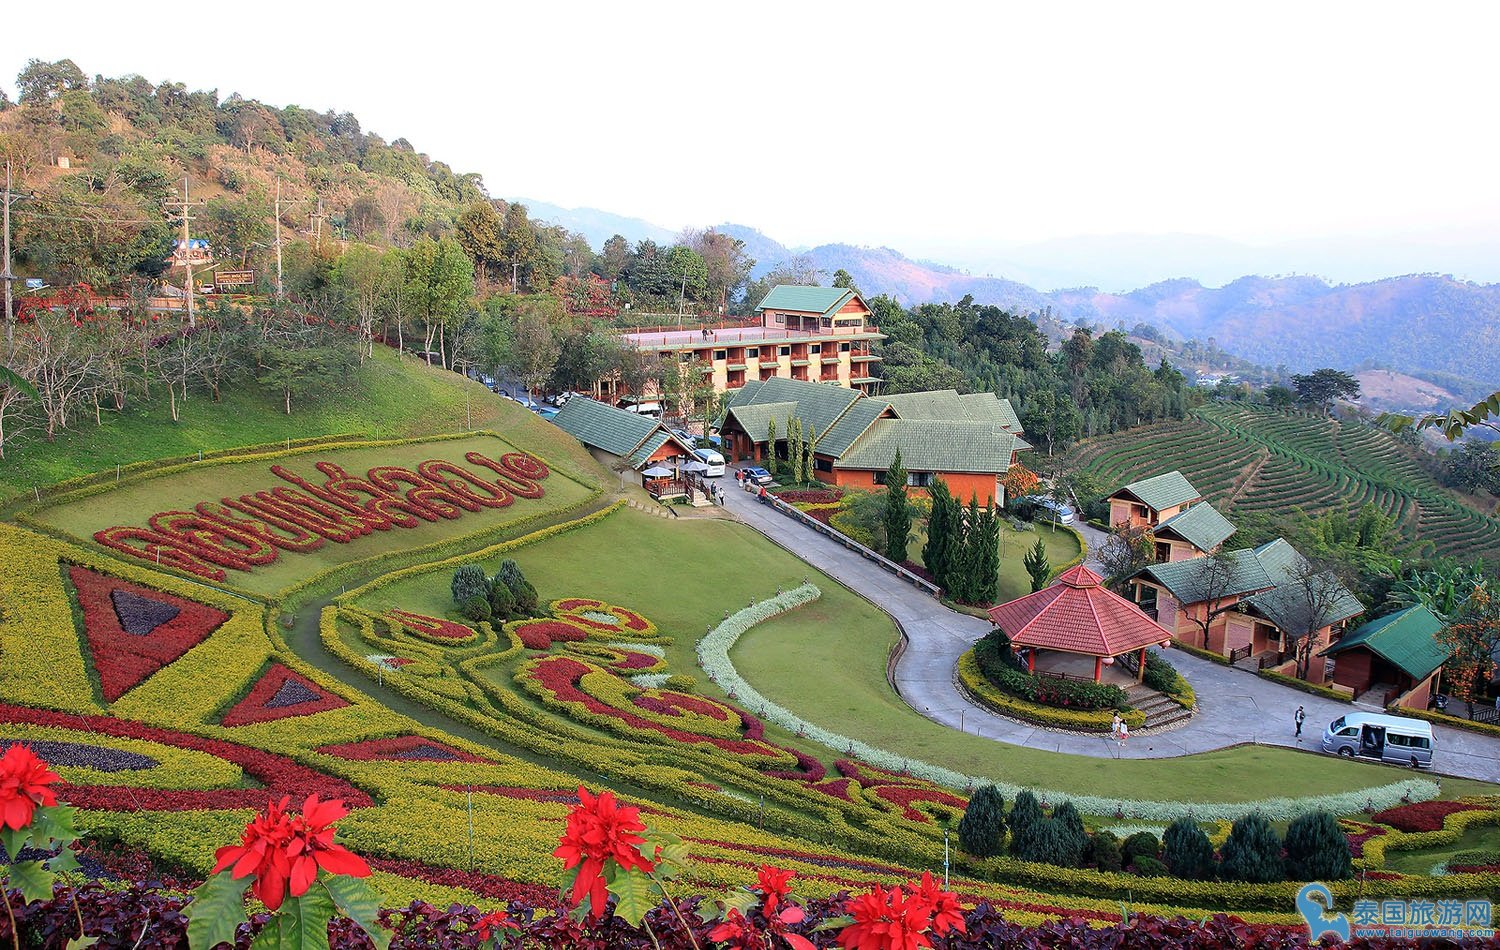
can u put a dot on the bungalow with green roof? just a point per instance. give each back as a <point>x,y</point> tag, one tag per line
<point>613,435</point>
<point>1181,523</point>
<point>1391,659</point>
<point>969,441</point>
<point>1258,605</point>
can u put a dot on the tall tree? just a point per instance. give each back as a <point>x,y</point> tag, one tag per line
<point>897,511</point>
<point>1216,591</point>
<point>1037,565</point>
<point>481,233</point>
<point>533,353</point>
<point>1323,387</point>
<point>943,533</point>
<point>363,281</point>
<point>1472,642</point>
<point>439,283</point>
<point>725,261</point>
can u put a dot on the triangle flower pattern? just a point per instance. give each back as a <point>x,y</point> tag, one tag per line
<point>133,631</point>
<point>278,694</point>
<point>400,749</point>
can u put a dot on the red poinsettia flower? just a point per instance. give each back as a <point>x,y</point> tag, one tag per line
<point>735,932</point>
<point>284,851</point>
<point>600,830</point>
<point>947,912</point>
<point>495,920</point>
<point>772,882</point>
<point>25,783</point>
<point>887,920</point>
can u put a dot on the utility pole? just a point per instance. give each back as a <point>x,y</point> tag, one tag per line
<point>279,289</point>
<point>515,277</point>
<point>5,274</point>
<point>315,225</point>
<point>185,251</point>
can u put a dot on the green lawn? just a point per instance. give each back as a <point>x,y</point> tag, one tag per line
<point>1061,546</point>
<point>134,502</point>
<point>1423,861</point>
<point>384,399</point>
<point>826,661</point>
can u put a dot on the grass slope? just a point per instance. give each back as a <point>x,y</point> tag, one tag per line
<point>389,397</point>
<point>1253,459</point>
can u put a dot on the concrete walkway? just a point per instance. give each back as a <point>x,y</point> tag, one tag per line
<point>1234,707</point>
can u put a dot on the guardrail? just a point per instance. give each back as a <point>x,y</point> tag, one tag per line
<point>921,583</point>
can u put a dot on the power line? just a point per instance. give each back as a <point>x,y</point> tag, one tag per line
<point>63,217</point>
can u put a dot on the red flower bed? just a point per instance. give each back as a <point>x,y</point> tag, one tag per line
<point>281,693</point>
<point>1358,833</point>
<point>835,788</point>
<point>277,774</point>
<point>1474,869</point>
<point>560,796</point>
<point>540,634</point>
<point>810,496</point>
<point>133,631</point>
<point>1422,816</point>
<point>907,798</point>
<point>432,627</point>
<point>399,748</point>
<point>491,886</point>
<point>255,528</point>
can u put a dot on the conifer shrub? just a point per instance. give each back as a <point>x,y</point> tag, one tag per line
<point>1070,840</point>
<point>1147,866</point>
<point>510,574</point>
<point>1104,851</point>
<point>1140,844</point>
<point>469,582</point>
<point>1252,852</point>
<point>528,603</point>
<point>981,831</point>
<point>1025,821</point>
<point>1186,850</point>
<point>1316,849</point>
<point>502,601</point>
<point>475,609</point>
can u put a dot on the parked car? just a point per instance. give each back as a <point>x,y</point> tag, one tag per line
<point>713,460</point>
<point>758,475</point>
<point>1050,510</point>
<point>1395,740</point>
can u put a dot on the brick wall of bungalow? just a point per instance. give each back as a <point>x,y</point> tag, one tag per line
<point>1355,670</point>
<point>960,484</point>
<point>1137,515</point>
<point>1172,549</point>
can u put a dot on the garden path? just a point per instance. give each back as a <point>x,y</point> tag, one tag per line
<point>1234,707</point>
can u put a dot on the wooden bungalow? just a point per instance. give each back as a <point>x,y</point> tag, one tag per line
<point>1391,659</point>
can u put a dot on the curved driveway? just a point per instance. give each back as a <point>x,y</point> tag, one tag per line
<point>1234,707</point>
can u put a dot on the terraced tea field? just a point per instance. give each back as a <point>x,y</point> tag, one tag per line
<point>1249,458</point>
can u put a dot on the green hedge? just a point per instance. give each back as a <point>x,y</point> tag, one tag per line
<point>1163,677</point>
<point>1305,686</point>
<point>985,693</point>
<point>1200,653</point>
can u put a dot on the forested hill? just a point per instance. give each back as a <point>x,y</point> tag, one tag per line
<point>127,145</point>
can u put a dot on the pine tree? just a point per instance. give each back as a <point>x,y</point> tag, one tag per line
<point>937,553</point>
<point>502,601</point>
<point>1187,851</point>
<point>1025,821</point>
<point>1316,850</point>
<point>897,511</point>
<point>967,566</point>
<point>1037,565</point>
<point>1070,838</point>
<point>809,463</point>
<point>771,445</point>
<point>469,582</point>
<point>794,448</point>
<point>1252,852</point>
<point>981,831</point>
<point>989,575</point>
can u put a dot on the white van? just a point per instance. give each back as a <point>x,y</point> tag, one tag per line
<point>713,460</point>
<point>1395,740</point>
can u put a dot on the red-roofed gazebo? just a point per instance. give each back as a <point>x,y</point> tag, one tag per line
<point>1077,614</point>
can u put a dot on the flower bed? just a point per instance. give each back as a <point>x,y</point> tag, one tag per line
<point>811,496</point>
<point>983,691</point>
<point>400,749</point>
<point>1424,816</point>
<point>432,629</point>
<point>280,693</point>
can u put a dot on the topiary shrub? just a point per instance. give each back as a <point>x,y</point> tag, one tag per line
<point>1252,852</point>
<point>527,602</point>
<point>1104,851</point>
<point>510,574</point>
<point>681,682</point>
<point>1142,843</point>
<point>1072,840</point>
<point>1147,866</point>
<point>1025,821</point>
<point>469,581</point>
<point>981,831</point>
<point>476,609</point>
<point>1186,850</point>
<point>502,601</point>
<point>1316,849</point>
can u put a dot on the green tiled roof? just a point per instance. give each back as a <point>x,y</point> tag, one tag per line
<point>1201,526</point>
<point>931,446</point>
<point>605,427</point>
<point>851,426</point>
<point>819,300</point>
<point>1162,491</point>
<point>640,456</point>
<point>1406,638</point>
<point>746,393</point>
<point>819,405</point>
<point>1287,604</point>
<point>754,418</point>
<point>1188,580</point>
<point>948,404</point>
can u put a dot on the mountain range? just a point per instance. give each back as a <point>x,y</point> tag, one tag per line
<point>1435,326</point>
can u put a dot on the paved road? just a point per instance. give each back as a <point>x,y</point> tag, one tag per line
<point>1233,706</point>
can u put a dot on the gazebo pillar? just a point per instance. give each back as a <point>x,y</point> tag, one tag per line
<point>1140,668</point>
<point>1031,660</point>
<point>1098,668</point>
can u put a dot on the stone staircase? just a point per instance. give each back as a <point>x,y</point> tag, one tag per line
<point>1161,711</point>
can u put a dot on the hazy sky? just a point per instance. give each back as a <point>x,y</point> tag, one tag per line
<point>909,124</point>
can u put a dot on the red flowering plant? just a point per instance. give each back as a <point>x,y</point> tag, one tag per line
<point>31,818</point>
<point>760,916</point>
<point>898,919</point>
<point>291,864</point>
<point>605,847</point>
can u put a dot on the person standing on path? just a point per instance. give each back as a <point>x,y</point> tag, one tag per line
<point>1124,732</point>
<point>1114,729</point>
<point>1299,717</point>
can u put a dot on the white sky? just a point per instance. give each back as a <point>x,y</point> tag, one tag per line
<point>905,124</point>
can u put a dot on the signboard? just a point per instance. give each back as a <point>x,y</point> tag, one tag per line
<point>234,278</point>
<point>34,283</point>
<point>194,253</point>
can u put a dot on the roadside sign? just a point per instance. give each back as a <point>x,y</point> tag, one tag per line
<point>34,283</point>
<point>234,278</point>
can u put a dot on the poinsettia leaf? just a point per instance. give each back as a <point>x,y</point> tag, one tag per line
<point>55,823</point>
<point>356,900</point>
<point>15,840</point>
<point>66,862</point>
<point>738,899</point>
<point>834,923</point>
<point>305,921</point>
<point>80,943</point>
<point>635,894</point>
<point>798,942</point>
<point>32,879</point>
<point>791,915</point>
<point>217,908</point>
<point>671,853</point>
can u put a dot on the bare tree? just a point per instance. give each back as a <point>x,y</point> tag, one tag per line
<point>1319,596</point>
<point>63,362</point>
<point>1124,553</point>
<point>1214,589</point>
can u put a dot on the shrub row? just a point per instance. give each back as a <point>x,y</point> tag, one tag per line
<point>1304,686</point>
<point>984,692</point>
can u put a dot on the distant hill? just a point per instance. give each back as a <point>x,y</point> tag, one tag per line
<point>596,225</point>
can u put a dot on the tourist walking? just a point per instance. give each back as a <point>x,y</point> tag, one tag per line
<point>1114,729</point>
<point>1299,717</point>
<point>1124,732</point>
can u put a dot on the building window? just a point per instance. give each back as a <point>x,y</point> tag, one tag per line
<point>720,354</point>
<point>822,464</point>
<point>919,479</point>
<point>843,347</point>
<point>815,348</point>
<point>777,319</point>
<point>786,351</point>
<point>686,356</point>
<point>752,353</point>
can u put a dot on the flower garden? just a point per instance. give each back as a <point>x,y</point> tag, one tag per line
<point>173,706</point>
